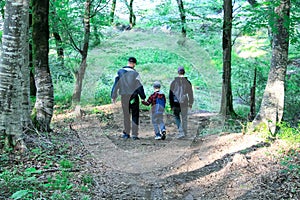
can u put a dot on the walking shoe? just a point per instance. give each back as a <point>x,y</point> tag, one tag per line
<point>163,137</point>
<point>180,136</point>
<point>158,137</point>
<point>125,136</point>
<point>135,138</point>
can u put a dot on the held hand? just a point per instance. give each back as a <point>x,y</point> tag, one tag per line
<point>144,102</point>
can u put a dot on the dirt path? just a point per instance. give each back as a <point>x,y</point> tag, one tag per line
<point>219,166</point>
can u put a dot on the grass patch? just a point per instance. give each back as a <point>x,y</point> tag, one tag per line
<point>158,57</point>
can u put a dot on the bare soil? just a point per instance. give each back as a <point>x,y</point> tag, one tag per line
<point>211,166</point>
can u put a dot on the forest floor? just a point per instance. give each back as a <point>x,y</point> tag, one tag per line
<point>211,166</point>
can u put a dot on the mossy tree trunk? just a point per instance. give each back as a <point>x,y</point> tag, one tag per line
<point>14,74</point>
<point>271,110</point>
<point>43,109</point>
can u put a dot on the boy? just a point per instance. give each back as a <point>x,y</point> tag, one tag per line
<point>158,101</point>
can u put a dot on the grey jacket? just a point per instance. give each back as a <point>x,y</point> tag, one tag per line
<point>127,82</point>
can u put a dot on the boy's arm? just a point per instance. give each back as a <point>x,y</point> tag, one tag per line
<point>148,102</point>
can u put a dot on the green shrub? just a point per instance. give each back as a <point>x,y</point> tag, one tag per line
<point>291,134</point>
<point>63,92</point>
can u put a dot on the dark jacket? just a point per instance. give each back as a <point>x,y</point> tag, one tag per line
<point>127,82</point>
<point>181,93</point>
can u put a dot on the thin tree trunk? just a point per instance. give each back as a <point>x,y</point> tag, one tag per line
<point>79,75</point>
<point>59,48</point>
<point>112,11</point>
<point>226,102</point>
<point>58,41</point>
<point>271,110</point>
<point>43,110</point>
<point>251,115</point>
<point>182,17</point>
<point>31,67</point>
<point>132,17</point>
<point>14,74</point>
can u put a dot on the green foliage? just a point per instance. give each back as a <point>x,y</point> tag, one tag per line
<point>292,98</point>
<point>63,92</point>
<point>291,134</point>
<point>43,182</point>
<point>103,90</point>
<point>243,77</point>
<point>66,164</point>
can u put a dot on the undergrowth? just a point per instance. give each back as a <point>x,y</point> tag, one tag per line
<point>47,171</point>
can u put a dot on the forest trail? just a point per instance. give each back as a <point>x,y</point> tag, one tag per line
<point>218,166</point>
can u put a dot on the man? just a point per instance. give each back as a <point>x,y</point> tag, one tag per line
<point>128,85</point>
<point>181,97</point>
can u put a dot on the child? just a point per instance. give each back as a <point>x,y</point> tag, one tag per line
<point>158,101</point>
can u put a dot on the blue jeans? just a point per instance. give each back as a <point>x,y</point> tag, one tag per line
<point>158,123</point>
<point>180,115</point>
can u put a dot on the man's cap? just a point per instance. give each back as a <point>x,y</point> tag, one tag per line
<point>181,69</point>
<point>156,84</point>
<point>132,59</point>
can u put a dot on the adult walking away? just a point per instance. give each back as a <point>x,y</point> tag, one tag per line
<point>181,98</point>
<point>128,85</point>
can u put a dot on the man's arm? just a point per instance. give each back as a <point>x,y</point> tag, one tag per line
<point>191,94</point>
<point>171,96</point>
<point>114,90</point>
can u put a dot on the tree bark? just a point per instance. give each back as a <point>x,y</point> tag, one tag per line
<point>43,109</point>
<point>58,40</point>
<point>251,115</point>
<point>14,74</point>
<point>132,17</point>
<point>226,102</point>
<point>271,110</point>
<point>79,74</point>
<point>112,11</point>
<point>182,17</point>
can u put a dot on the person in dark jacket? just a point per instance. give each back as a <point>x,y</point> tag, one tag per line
<point>128,85</point>
<point>181,98</point>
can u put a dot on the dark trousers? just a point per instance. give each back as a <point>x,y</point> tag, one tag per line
<point>130,106</point>
<point>181,118</point>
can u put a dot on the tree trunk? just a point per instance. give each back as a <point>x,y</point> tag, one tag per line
<point>132,17</point>
<point>182,17</point>
<point>43,110</point>
<point>226,102</point>
<point>112,11</point>
<point>79,75</point>
<point>59,47</point>
<point>271,110</point>
<point>31,67</point>
<point>251,115</point>
<point>57,37</point>
<point>14,74</point>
